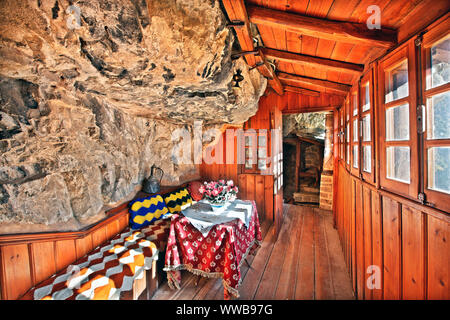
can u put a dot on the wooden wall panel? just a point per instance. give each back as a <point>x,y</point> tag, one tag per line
<point>392,249</point>
<point>26,260</point>
<point>438,258</point>
<point>359,242</point>
<point>413,254</point>
<point>407,242</point>
<point>16,269</point>
<point>377,244</point>
<point>43,268</point>
<point>351,206</point>
<point>65,253</point>
<point>268,197</point>
<point>83,245</point>
<point>367,235</point>
<point>98,237</point>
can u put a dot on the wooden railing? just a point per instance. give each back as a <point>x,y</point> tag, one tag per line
<point>390,241</point>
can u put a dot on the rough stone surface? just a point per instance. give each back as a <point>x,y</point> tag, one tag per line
<point>308,125</point>
<point>85,111</point>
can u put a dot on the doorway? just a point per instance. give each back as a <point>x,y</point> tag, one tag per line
<point>307,159</point>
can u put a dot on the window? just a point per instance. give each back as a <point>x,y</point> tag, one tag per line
<point>341,137</point>
<point>355,131</point>
<point>256,151</point>
<point>399,169</point>
<point>367,128</point>
<point>436,104</point>
<point>347,133</point>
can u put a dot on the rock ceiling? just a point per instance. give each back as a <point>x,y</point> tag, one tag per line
<point>88,105</point>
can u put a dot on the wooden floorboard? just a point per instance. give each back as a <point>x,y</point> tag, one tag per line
<point>305,262</point>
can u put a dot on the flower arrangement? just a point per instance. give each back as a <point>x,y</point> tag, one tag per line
<point>219,192</point>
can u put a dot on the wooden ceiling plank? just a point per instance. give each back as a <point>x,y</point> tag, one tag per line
<point>313,60</point>
<point>236,11</point>
<point>318,82</point>
<point>322,28</point>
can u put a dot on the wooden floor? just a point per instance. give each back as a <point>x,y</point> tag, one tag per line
<point>305,262</point>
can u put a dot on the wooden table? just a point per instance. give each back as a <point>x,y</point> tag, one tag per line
<point>218,255</point>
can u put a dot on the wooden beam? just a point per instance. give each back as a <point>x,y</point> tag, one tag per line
<point>298,58</point>
<point>356,33</point>
<point>306,92</point>
<point>236,11</point>
<point>309,109</point>
<point>341,87</point>
<point>267,71</point>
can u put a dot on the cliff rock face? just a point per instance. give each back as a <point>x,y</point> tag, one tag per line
<point>90,93</point>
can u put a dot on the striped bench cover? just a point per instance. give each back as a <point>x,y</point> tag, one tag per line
<point>106,271</point>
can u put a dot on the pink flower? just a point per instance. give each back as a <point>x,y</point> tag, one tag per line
<point>215,192</point>
<point>230,183</point>
<point>202,189</point>
<point>236,189</point>
<point>222,181</point>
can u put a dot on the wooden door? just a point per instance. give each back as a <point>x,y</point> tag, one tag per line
<point>277,156</point>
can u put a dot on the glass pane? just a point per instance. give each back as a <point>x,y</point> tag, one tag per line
<point>261,152</point>
<point>397,123</point>
<point>366,92</point>
<point>439,169</point>
<point>355,130</point>
<point>248,140</point>
<point>248,152</point>
<point>248,164</point>
<point>366,128</point>
<point>397,82</point>
<point>262,164</point>
<point>355,156</point>
<point>355,105</point>
<point>440,63</point>
<point>348,154</point>
<point>262,141</point>
<point>367,159</point>
<point>438,116</point>
<point>398,163</point>
<point>348,133</point>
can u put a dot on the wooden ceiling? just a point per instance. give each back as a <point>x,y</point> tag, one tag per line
<point>322,46</point>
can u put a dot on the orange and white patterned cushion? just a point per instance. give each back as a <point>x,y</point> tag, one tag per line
<point>104,273</point>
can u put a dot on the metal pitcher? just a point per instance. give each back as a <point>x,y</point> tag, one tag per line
<point>152,184</point>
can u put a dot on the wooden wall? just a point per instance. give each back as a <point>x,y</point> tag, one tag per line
<point>291,102</point>
<point>28,259</point>
<point>251,186</point>
<point>407,241</point>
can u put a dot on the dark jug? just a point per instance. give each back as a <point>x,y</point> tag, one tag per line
<point>152,184</point>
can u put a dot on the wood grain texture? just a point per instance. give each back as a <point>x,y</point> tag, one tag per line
<point>406,241</point>
<point>304,262</point>
<point>327,29</point>
<point>28,259</point>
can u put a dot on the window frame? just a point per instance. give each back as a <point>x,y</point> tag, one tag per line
<point>268,157</point>
<point>406,51</point>
<point>368,78</point>
<point>347,135</point>
<point>341,134</point>
<point>354,103</point>
<point>435,34</point>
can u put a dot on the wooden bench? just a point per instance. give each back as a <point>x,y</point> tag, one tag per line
<point>26,260</point>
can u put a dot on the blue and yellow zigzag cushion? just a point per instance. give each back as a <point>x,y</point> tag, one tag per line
<point>144,211</point>
<point>178,200</point>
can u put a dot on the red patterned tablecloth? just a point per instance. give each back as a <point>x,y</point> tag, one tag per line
<point>218,255</point>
